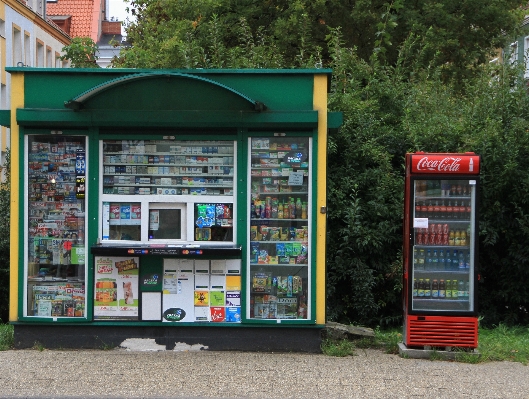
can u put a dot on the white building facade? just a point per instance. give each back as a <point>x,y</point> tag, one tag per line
<point>27,38</point>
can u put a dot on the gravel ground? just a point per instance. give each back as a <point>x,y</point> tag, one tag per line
<point>119,373</point>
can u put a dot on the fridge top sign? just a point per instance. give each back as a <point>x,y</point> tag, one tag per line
<point>451,164</point>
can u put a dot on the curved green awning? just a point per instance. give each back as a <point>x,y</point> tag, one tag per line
<point>78,102</point>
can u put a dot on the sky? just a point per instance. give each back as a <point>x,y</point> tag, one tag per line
<point>116,9</point>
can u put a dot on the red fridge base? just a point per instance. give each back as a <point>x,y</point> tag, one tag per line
<point>441,331</point>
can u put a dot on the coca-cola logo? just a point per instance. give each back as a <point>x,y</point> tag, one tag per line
<point>448,164</point>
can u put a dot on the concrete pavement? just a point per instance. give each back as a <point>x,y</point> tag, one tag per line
<point>120,373</point>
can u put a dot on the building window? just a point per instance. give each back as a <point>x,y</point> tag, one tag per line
<point>49,60</point>
<point>40,54</point>
<point>2,28</point>
<point>513,56</point>
<point>17,46</point>
<point>27,49</point>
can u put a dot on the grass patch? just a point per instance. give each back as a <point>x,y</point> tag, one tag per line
<point>501,343</point>
<point>6,337</point>
<point>339,348</point>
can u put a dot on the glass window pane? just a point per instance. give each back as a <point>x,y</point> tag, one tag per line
<point>279,228</point>
<point>56,173</point>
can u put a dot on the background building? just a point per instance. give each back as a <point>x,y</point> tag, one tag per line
<point>88,18</point>
<point>27,38</point>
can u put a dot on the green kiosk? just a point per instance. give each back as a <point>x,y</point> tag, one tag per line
<point>177,205</point>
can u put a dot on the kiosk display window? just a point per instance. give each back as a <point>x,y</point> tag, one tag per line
<point>55,225</point>
<point>280,203</point>
<point>167,191</point>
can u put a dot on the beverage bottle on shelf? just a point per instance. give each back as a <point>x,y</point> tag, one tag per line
<point>451,238</point>
<point>455,211</point>
<point>415,258</point>
<point>438,188</point>
<point>420,289</point>
<point>428,265</point>
<point>280,210</point>
<point>435,289</point>
<point>459,190</point>
<point>427,289</point>
<point>420,263</point>
<point>467,261</point>
<point>304,211</point>
<point>467,290</point>
<point>430,210</point>
<point>442,289</point>
<point>461,265</point>
<point>468,211</point>
<point>435,260</point>
<point>424,210</point>
<point>275,206</point>
<point>455,294</point>
<point>442,259</point>
<point>292,208</point>
<point>298,207</point>
<point>415,288</point>
<point>463,238</point>
<point>429,190</point>
<point>457,238</point>
<point>442,210</point>
<point>436,210</point>
<point>448,260</point>
<point>448,289</point>
<point>462,210</point>
<point>449,210</point>
<point>453,190</point>
<point>461,289</point>
<point>286,210</point>
<point>455,260</point>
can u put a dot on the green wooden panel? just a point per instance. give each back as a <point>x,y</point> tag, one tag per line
<point>278,89</point>
<point>151,274</point>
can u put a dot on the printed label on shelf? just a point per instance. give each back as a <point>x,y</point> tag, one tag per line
<point>420,223</point>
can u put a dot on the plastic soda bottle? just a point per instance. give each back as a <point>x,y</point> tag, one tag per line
<point>455,260</point>
<point>463,237</point>
<point>455,294</point>
<point>467,261</point>
<point>420,289</point>
<point>415,288</point>
<point>448,289</point>
<point>467,290</point>
<point>429,261</point>
<point>427,289</point>
<point>435,260</point>
<point>457,238</point>
<point>451,238</point>
<point>420,264</point>
<point>442,289</point>
<point>461,289</point>
<point>442,259</point>
<point>435,289</point>
<point>280,210</point>
<point>461,260</point>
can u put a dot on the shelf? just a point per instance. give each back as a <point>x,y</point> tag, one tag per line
<point>440,197</point>
<point>457,272</point>
<point>438,300</point>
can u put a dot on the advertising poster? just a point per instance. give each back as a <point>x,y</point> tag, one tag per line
<point>116,288</point>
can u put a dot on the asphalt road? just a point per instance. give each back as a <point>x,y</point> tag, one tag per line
<point>119,373</point>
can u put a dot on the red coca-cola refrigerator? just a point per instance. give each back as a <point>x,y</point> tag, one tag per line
<point>440,250</point>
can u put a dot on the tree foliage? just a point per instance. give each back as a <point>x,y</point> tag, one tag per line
<point>408,76</point>
<point>81,52</point>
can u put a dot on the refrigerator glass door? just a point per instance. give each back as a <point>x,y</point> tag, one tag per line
<point>279,223</point>
<point>443,221</point>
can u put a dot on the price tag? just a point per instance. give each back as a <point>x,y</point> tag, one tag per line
<point>295,178</point>
<point>420,223</point>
